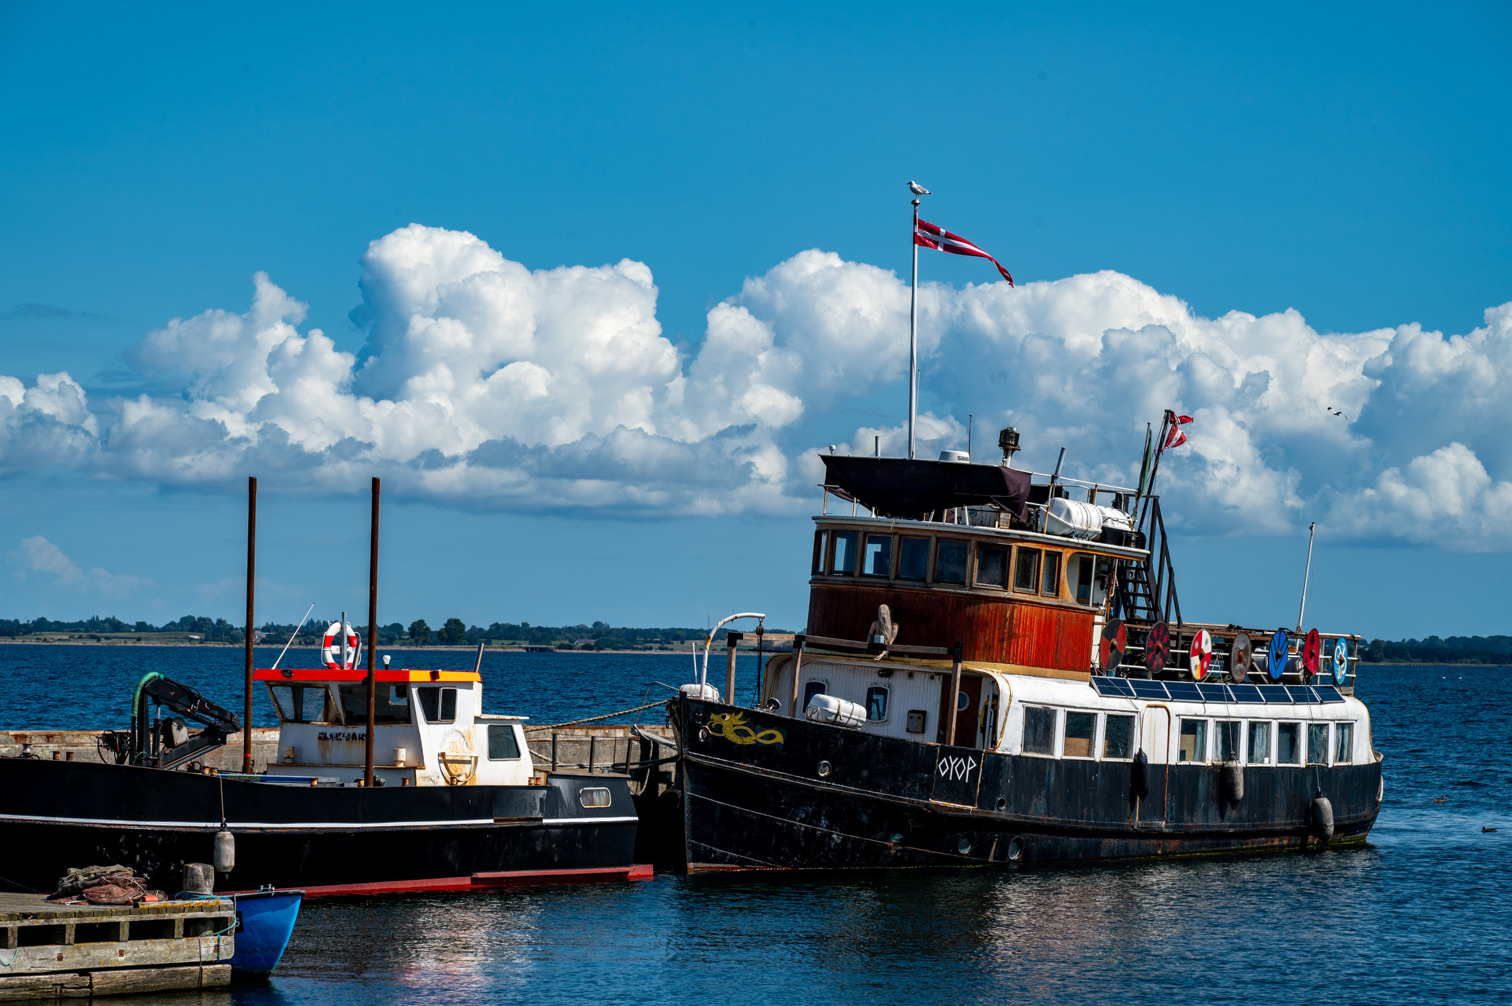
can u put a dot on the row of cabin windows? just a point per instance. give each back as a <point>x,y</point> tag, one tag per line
<point>1256,740</point>
<point>886,556</point>
<point>1263,742</point>
<point>315,704</point>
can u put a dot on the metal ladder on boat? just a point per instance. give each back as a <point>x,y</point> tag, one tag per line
<point>1146,591</point>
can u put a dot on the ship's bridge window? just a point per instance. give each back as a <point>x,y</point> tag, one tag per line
<point>1343,743</point>
<point>1081,728</point>
<point>845,553</point>
<point>1118,736</point>
<point>821,539</point>
<point>992,565</point>
<point>304,704</point>
<point>1288,744</point>
<point>1026,570</point>
<point>950,561</point>
<point>1193,740</point>
<point>876,560</point>
<point>876,703</point>
<point>1079,574</point>
<point>1317,744</point>
<point>1039,730</point>
<point>1050,575</point>
<point>439,705</point>
<point>502,745</point>
<point>385,710</point>
<point>1259,743</point>
<point>913,558</point>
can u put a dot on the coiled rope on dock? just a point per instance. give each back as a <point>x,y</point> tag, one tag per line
<point>591,719</point>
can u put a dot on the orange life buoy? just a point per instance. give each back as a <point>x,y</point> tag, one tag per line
<point>331,648</point>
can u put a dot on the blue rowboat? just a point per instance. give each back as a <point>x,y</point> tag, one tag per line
<point>264,921</point>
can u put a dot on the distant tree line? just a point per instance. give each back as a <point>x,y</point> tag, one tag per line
<point>1433,650</point>
<point>452,632</point>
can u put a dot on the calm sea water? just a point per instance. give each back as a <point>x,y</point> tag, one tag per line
<point>1423,914</point>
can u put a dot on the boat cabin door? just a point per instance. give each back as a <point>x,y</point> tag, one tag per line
<point>967,704</point>
<point>1155,742</point>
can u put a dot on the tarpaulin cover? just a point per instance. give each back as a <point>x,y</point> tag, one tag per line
<point>899,487</point>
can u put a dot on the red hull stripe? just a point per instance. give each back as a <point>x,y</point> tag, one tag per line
<point>481,881</point>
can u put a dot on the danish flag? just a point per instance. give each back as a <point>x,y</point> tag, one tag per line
<point>930,236</point>
<point>1177,436</point>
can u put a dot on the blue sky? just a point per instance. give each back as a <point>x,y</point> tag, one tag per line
<point>1285,209</point>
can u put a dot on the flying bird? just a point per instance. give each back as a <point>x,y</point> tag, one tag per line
<point>1335,412</point>
<point>918,189</point>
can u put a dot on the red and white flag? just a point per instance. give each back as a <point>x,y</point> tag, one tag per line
<point>930,236</point>
<point>1177,436</point>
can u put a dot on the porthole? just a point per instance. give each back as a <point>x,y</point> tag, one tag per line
<point>963,845</point>
<point>963,702</point>
<point>595,796</point>
<point>1015,849</point>
<point>1002,803</point>
<point>824,769</point>
<point>703,734</point>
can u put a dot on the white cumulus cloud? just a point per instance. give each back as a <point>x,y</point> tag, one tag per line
<point>37,555</point>
<point>485,384</point>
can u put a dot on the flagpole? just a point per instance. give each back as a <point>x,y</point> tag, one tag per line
<point>913,332</point>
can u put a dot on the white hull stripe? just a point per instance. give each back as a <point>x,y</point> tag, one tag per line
<point>315,825</point>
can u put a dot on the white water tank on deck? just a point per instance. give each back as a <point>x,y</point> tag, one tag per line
<point>707,692</point>
<point>829,709</point>
<point>1083,520</point>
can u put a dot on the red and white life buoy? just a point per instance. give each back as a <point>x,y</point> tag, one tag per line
<point>1202,654</point>
<point>331,650</point>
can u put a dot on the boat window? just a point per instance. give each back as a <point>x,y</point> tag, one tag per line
<point>877,559</point>
<point>1288,744</point>
<point>1193,740</point>
<point>1081,569</point>
<point>992,565</point>
<point>1259,743</point>
<point>398,695</point>
<point>439,705</point>
<point>913,558</point>
<point>354,705</point>
<point>1317,744</point>
<point>1343,743</point>
<point>1118,736</point>
<point>502,745</point>
<point>812,688</point>
<point>1026,572</point>
<point>1039,730</point>
<point>1050,575</point>
<point>1080,729</point>
<point>304,704</point>
<point>1228,740</point>
<point>821,539</point>
<point>950,562</point>
<point>594,796</point>
<point>876,703</point>
<point>845,553</point>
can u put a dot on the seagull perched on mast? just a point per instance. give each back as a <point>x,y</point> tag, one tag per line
<point>918,189</point>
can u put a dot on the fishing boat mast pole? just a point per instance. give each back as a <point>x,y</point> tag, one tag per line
<point>913,332</point>
<point>372,668</point>
<point>1306,572</point>
<point>251,585</point>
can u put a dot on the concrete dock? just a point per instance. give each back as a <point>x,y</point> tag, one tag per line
<point>50,950</point>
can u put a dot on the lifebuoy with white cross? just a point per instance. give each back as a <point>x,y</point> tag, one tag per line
<point>331,647</point>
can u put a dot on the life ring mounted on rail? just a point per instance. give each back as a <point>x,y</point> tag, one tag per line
<point>330,652</point>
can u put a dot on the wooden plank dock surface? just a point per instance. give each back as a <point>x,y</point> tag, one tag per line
<point>50,950</point>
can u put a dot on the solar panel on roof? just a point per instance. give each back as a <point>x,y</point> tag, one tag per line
<point>1328,693</point>
<point>1146,689</point>
<point>1301,693</point>
<point>1183,691</point>
<point>1106,686</point>
<point>1274,693</point>
<point>1214,692</point>
<point>1122,687</point>
<point>1246,693</point>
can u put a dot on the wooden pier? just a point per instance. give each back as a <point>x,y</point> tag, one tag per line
<point>50,950</point>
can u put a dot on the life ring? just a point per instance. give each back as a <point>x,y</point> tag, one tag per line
<point>1276,657</point>
<point>1312,651</point>
<point>1340,661</point>
<point>330,652</point>
<point>1201,654</point>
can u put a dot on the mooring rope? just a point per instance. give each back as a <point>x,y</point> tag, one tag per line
<point>590,719</point>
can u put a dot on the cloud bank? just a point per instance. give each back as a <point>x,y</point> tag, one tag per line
<point>484,384</point>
